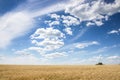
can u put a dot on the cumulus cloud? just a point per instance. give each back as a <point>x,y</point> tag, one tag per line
<point>14,25</point>
<point>69,20</point>
<point>40,50</point>
<point>55,16</point>
<point>114,32</point>
<point>65,21</point>
<point>98,23</point>
<point>68,30</point>
<point>90,24</point>
<point>85,44</point>
<point>46,40</point>
<point>52,23</point>
<point>95,11</point>
<point>48,33</point>
<point>49,38</point>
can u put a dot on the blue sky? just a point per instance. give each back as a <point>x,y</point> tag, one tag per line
<point>59,32</point>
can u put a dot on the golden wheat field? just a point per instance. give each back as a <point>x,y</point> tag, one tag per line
<point>68,72</point>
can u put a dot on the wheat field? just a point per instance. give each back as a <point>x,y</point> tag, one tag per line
<point>57,72</point>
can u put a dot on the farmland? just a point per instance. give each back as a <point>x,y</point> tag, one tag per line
<point>60,72</point>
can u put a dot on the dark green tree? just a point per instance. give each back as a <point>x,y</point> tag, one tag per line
<point>100,63</point>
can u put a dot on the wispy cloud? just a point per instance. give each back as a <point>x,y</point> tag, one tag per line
<point>114,32</point>
<point>20,60</point>
<point>1,57</point>
<point>55,55</point>
<point>49,9</point>
<point>104,49</point>
<point>85,44</point>
<point>80,34</point>
<point>95,59</point>
<point>24,52</point>
<point>14,24</point>
<point>79,45</point>
<point>20,20</point>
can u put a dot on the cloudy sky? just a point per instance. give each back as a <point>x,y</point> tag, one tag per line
<point>59,31</point>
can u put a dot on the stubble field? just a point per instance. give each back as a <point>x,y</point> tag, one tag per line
<point>63,72</point>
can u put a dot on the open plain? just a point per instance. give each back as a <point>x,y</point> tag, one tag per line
<point>60,72</point>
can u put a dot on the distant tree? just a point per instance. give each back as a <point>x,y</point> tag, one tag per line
<point>100,63</point>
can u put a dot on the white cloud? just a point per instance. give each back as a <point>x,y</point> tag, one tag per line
<point>68,30</point>
<point>85,44</point>
<point>51,44</point>
<point>29,60</point>
<point>119,29</point>
<point>23,52</point>
<point>55,16</point>
<point>35,48</point>
<point>100,58</point>
<point>55,55</point>
<point>47,33</point>
<point>1,57</point>
<point>49,55</point>
<point>48,39</point>
<point>37,8</point>
<point>40,50</point>
<point>80,34</point>
<point>50,9</point>
<point>86,61</point>
<point>103,49</point>
<point>53,23</point>
<point>13,25</point>
<point>90,24</point>
<point>95,59</point>
<point>114,32</point>
<point>98,23</point>
<point>46,59</point>
<point>95,11</point>
<point>66,21</point>
<point>69,20</point>
<point>113,57</point>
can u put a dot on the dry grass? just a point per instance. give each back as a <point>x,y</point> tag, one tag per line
<point>8,72</point>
